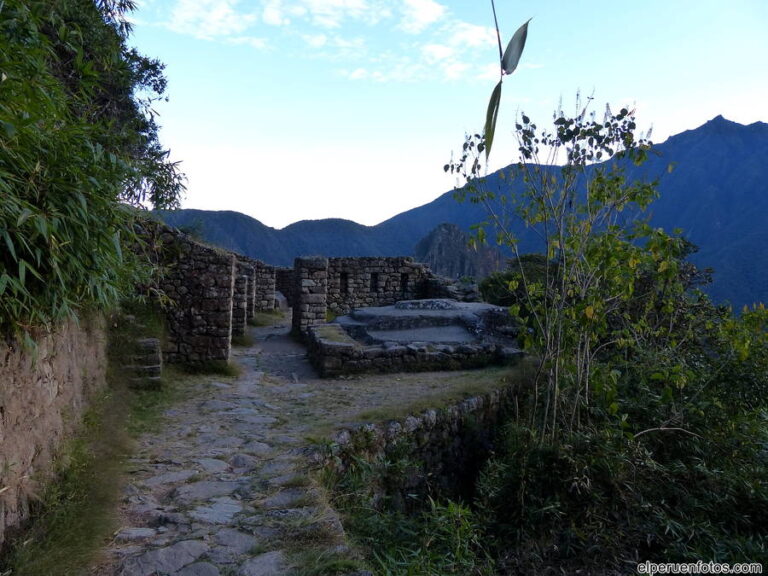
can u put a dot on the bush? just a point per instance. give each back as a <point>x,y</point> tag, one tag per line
<point>506,288</point>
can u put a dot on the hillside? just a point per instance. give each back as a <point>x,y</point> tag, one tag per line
<point>717,193</point>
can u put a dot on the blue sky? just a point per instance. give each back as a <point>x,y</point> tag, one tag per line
<point>304,109</point>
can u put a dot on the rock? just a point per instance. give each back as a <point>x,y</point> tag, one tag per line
<point>284,499</point>
<point>221,511</point>
<point>235,539</point>
<point>165,560</point>
<point>213,465</point>
<point>204,490</point>
<point>199,569</point>
<point>130,534</point>
<point>170,478</point>
<point>269,564</point>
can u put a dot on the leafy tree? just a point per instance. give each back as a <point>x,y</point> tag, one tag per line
<point>78,147</point>
<point>643,435</point>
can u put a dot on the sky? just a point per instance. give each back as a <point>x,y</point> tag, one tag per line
<point>291,110</point>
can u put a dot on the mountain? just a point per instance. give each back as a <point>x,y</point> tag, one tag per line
<point>717,193</point>
<point>446,251</point>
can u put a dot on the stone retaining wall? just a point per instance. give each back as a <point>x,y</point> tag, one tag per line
<point>349,283</point>
<point>333,353</point>
<point>436,453</point>
<point>248,268</point>
<point>43,395</point>
<point>240,304</point>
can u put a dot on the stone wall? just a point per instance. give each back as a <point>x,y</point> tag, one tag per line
<point>310,288</point>
<point>43,395</point>
<point>437,453</point>
<point>240,304</point>
<point>365,282</point>
<point>248,268</point>
<point>333,353</point>
<point>265,287</point>
<point>200,281</point>
<point>349,283</point>
<point>284,283</point>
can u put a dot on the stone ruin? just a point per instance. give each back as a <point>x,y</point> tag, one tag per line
<point>414,335</point>
<point>214,293</point>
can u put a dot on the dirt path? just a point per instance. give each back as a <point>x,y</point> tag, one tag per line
<point>222,488</point>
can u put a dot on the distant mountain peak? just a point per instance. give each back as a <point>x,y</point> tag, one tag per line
<point>719,122</point>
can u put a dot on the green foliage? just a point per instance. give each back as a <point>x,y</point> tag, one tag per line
<point>443,539</point>
<point>508,61</point>
<point>643,436</point>
<point>505,288</point>
<point>76,146</point>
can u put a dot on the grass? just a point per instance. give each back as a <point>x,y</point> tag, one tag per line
<point>334,333</point>
<point>266,318</point>
<point>381,397</point>
<point>243,340</point>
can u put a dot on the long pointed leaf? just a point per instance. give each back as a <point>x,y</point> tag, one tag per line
<point>514,49</point>
<point>490,118</point>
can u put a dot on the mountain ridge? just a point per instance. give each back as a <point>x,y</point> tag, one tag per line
<point>717,193</point>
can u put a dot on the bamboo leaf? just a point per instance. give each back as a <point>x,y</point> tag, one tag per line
<point>514,49</point>
<point>9,243</point>
<point>490,118</point>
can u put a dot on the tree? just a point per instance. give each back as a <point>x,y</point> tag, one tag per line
<point>645,420</point>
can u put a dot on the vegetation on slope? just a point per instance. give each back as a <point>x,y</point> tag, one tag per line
<point>78,146</point>
<point>643,435</point>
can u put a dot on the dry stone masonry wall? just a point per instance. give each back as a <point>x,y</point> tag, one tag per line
<point>310,288</point>
<point>365,282</point>
<point>338,285</point>
<point>240,305</point>
<point>441,450</point>
<point>200,282</point>
<point>284,283</point>
<point>43,396</point>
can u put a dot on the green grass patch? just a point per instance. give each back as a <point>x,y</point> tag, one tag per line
<point>455,389</point>
<point>266,318</point>
<point>243,340</point>
<point>325,562</point>
<point>334,333</point>
<point>76,511</point>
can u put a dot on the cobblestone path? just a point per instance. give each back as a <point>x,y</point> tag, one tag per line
<point>221,488</point>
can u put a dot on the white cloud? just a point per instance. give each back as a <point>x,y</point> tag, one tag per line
<point>420,14</point>
<point>273,13</point>
<point>209,19</point>
<point>334,13</point>
<point>316,40</point>
<point>436,53</point>
<point>455,70</point>
<point>358,74</point>
<point>489,71</point>
<point>252,41</point>
<point>470,35</point>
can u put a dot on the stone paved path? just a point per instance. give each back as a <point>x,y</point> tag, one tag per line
<point>221,489</point>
